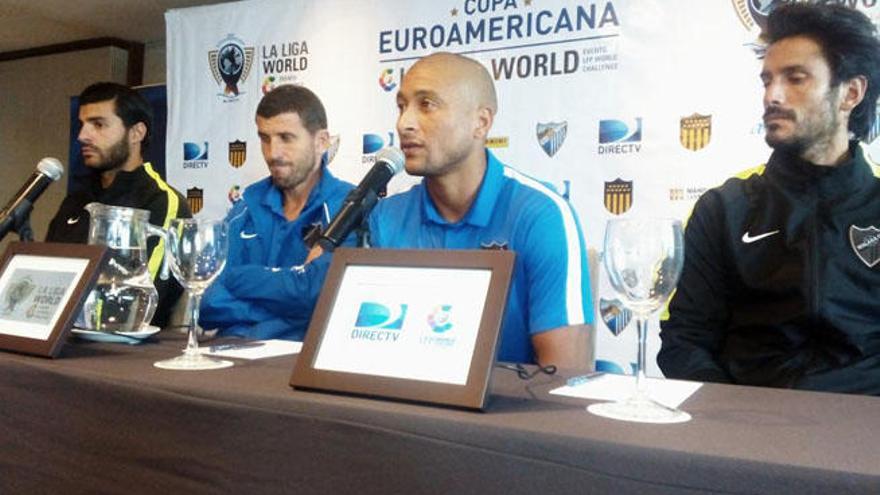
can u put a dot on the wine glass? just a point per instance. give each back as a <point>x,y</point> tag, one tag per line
<point>643,258</point>
<point>196,252</point>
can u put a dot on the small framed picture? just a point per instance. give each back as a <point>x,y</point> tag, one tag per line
<point>42,287</point>
<point>414,325</point>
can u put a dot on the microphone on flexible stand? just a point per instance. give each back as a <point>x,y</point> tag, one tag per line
<point>15,216</point>
<point>361,200</point>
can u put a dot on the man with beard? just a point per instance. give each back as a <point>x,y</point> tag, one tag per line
<point>114,135</point>
<point>468,199</point>
<point>781,280</point>
<point>265,291</point>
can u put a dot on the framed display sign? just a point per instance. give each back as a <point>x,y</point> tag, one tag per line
<point>418,325</point>
<point>42,286</point>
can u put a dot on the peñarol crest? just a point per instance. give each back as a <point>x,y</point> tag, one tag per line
<point>237,153</point>
<point>695,131</point>
<point>618,196</point>
<point>195,197</point>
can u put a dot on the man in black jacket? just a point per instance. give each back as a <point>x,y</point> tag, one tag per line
<point>781,282</point>
<point>115,131</point>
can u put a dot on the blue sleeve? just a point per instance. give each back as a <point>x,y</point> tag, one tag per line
<point>289,292</point>
<point>557,271</point>
<point>220,309</point>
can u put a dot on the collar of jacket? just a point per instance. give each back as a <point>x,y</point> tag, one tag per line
<point>796,173</point>
<point>123,183</point>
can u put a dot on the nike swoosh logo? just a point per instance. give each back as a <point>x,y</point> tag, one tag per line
<point>748,239</point>
<point>245,235</point>
<point>72,220</point>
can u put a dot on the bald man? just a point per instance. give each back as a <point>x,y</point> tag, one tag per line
<point>470,200</point>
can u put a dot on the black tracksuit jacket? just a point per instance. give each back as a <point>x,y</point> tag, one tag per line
<point>773,290</point>
<point>141,188</point>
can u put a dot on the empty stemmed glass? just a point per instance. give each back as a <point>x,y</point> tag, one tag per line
<point>643,258</point>
<point>196,253</point>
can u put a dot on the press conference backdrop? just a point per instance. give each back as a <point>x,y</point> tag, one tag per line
<point>629,107</point>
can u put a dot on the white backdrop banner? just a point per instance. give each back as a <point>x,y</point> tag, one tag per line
<point>629,107</point>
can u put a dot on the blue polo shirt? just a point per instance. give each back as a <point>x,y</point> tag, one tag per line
<point>264,293</point>
<point>551,284</point>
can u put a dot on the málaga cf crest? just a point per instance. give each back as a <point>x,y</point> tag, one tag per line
<point>551,136</point>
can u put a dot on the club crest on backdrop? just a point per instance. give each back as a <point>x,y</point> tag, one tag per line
<point>195,198</point>
<point>695,131</point>
<point>551,136</point>
<point>615,315</point>
<point>237,153</point>
<point>618,196</point>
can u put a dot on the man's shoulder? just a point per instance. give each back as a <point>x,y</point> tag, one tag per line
<point>256,190</point>
<point>529,195</point>
<point>334,186</point>
<point>736,187</point>
<point>153,183</point>
<point>157,193</point>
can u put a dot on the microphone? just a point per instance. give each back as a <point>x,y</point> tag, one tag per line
<point>361,200</point>
<point>14,216</point>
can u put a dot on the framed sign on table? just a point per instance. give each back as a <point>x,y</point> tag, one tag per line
<point>416,325</point>
<point>42,287</point>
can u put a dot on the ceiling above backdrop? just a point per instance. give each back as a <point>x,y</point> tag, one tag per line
<point>29,24</point>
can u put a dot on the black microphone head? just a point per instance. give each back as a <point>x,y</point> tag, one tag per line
<point>51,168</point>
<point>392,157</point>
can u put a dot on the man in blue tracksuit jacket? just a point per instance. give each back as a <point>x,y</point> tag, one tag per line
<point>266,291</point>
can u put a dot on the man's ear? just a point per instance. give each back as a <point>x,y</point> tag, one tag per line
<point>322,140</point>
<point>485,118</point>
<point>853,93</point>
<point>137,133</point>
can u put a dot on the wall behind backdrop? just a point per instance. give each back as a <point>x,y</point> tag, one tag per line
<point>631,108</point>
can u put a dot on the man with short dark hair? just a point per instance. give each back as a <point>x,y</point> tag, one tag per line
<point>265,291</point>
<point>781,282</point>
<point>115,130</point>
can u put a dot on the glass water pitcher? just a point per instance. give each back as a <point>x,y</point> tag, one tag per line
<point>124,297</point>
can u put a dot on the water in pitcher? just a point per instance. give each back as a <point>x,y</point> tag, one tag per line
<point>124,297</point>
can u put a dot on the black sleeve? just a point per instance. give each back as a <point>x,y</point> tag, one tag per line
<point>698,312</point>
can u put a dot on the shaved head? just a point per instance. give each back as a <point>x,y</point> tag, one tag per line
<point>470,77</point>
<point>447,105</point>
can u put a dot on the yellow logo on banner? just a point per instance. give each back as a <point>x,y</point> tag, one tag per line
<point>497,142</point>
<point>696,131</point>
<point>237,153</point>
<point>195,197</point>
<point>618,196</point>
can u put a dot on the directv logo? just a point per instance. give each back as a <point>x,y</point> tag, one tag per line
<point>373,143</point>
<point>379,322</point>
<point>618,137</point>
<point>195,155</point>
